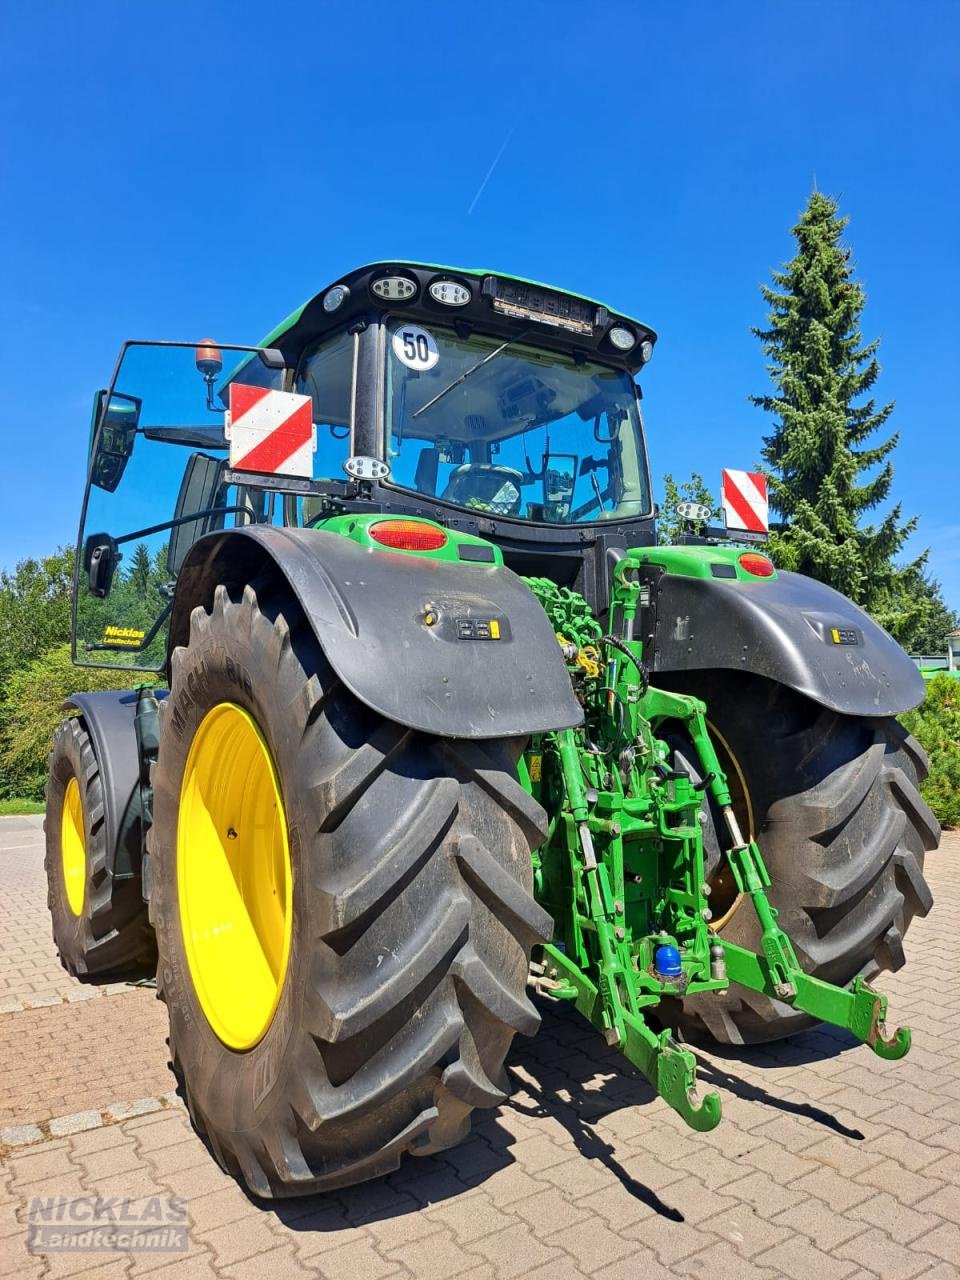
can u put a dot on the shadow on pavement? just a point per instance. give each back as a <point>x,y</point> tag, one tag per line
<point>568,1074</point>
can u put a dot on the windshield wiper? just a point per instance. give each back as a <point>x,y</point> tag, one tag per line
<point>473,369</point>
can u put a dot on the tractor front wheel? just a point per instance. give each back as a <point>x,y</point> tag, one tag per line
<point>832,801</point>
<point>342,905</point>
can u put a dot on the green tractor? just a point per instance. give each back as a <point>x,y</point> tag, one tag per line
<point>444,727</point>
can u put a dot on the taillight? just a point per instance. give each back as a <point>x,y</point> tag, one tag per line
<point>407,535</point>
<point>760,566</point>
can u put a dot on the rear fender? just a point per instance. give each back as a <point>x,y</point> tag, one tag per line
<point>368,609</point>
<point>109,720</point>
<point>785,628</point>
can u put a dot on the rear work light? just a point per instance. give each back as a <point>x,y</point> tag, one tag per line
<point>407,535</point>
<point>760,566</point>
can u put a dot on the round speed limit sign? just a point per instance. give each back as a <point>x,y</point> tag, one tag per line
<point>415,347</point>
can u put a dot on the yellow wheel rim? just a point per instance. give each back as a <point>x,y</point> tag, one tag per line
<point>73,847</point>
<point>233,876</point>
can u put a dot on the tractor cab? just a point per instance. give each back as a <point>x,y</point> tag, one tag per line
<point>488,404</point>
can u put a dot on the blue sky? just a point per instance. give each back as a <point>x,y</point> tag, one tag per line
<point>173,170</point>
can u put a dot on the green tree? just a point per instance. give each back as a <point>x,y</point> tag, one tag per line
<point>825,474</point>
<point>669,524</point>
<point>34,609</point>
<point>30,709</point>
<point>915,613</point>
<point>140,573</point>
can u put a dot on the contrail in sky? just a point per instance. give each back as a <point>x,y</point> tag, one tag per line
<point>489,173</point>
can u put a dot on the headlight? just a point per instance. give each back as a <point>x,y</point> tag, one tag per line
<point>622,338</point>
<point>450,293</point>
<point>335,297</point>
<point>394,288</point>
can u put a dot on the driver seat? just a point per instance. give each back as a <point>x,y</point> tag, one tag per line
<point>485,487</point>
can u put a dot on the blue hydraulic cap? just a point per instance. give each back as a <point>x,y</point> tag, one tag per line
<point>666,961</point>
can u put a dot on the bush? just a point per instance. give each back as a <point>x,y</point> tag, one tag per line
<point>936,725</point>
<point>30,710</point>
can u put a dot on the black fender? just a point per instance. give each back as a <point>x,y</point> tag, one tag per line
<point>785,628</point>
<point>368,610</point>
<point>108,717</point>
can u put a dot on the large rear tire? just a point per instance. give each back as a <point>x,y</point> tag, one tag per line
<point>833,803</point>
<point>410,918</point>
<point>100,924</point>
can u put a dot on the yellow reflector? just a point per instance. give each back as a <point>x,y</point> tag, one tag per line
<point>234,878</point>
<point>73,847</point>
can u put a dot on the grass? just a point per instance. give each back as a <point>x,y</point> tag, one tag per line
<point>10,807</point>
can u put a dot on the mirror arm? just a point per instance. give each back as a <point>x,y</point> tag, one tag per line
<point>172,524</point>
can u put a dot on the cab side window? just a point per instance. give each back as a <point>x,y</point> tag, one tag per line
<point>326,376</point>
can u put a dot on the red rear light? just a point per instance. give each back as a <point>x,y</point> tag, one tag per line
<point>408,535</point>
<point>760,566</point>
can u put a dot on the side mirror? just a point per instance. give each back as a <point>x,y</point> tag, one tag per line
<point>113,444</point>
<point>100,559</point>
<point>559,480</point>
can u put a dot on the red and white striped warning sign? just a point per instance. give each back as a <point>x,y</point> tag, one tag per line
<point>270,431</point>
<point>744,495</point>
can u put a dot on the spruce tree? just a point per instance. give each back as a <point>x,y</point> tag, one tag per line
<point>823,474</point>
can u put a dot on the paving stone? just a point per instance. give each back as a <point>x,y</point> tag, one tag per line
<point>800,1260</point>
<point>434,1257</point>
<point>78,994</point>
<point>669,1239</point>
<point>619,1205</point>
<point>641,1265</point>
<point>240,1239</point>
<point>903,1224</point>
<point>209,1212</point>
<point>77,1123</point>
<point>592,1244</point>
<point>823,1225</point>
<point>945,1203</point>
<point>562,1269</point>
<point>722,1262</point>
<point>892,1261</point>
<point>906,1186</point>
<point>746,1231</point>
<point>838,1192</point>
<point>516,1251</point>
<point>277,1264</point>
<point>18,1135</point>
<point>138,1107</point>
<point>352,1261</point>
<point>766,1196</point>
<point>944,1241</point>
<point>474,1216</point>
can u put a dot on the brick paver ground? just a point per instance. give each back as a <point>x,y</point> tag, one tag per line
<point>829,1163</point>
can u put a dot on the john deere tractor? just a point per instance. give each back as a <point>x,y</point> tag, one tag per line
<point>432,724</point>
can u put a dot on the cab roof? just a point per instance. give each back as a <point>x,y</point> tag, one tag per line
<point>310,320</point>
